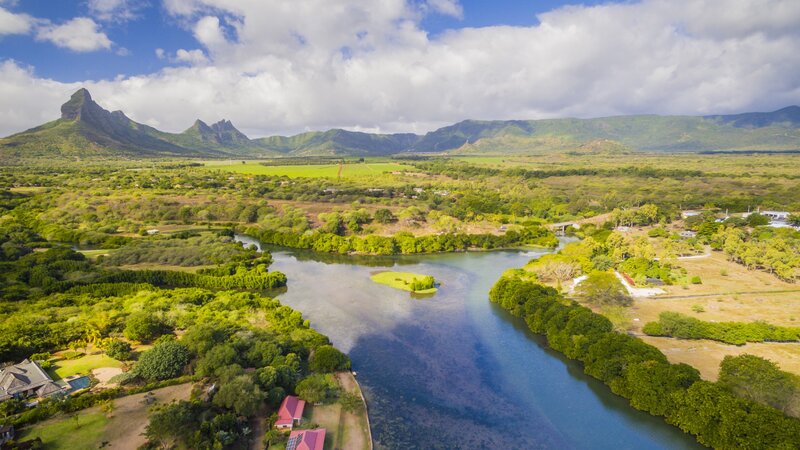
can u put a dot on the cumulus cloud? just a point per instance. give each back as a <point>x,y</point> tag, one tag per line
<point>27,99</point>
<point>209,32</point>
<point>115,10</point>
<point>80,34</point>
<point>447,7</point>
<point>11,23</point>
<point>194,57</point>
<point>274,66</point>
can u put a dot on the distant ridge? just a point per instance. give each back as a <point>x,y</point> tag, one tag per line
<point>85,130</point>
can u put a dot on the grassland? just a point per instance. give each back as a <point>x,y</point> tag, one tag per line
<point>401,280</point>
<point>729,293</point>
<point>331,171</point>
<point>93,254</point>
<point>345,430</point>
<point>774,164</point>
<point>121,429</point>
<point>70,432</point>
<point>84,365</point>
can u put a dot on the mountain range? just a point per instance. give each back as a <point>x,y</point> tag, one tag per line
<point>87,130</point>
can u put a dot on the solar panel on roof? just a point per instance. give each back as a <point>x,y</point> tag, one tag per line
<point>293,442</point>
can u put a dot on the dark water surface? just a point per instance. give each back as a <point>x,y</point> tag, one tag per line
<point>454,371</point>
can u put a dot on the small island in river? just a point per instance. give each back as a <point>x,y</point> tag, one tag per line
<point>407,281</point>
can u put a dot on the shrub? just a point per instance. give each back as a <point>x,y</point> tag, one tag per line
<point>696,280</point>
<point>72,354</point>
<point>44,356</point>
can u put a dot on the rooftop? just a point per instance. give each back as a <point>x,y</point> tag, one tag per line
<point>291,409</point>
<point>306,439</point>
<point>23,377</point>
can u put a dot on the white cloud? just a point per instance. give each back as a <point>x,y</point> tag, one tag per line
<point>160,54</point>
<point>276,66</point>
<point>194,57</point>
<point>27,100</point>
<point>80,34</point>
<point>115,10</point>
<point>209,32</point>
<point>447,7</point>
<point>11,23</point>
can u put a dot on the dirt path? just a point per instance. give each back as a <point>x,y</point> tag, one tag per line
<point>129,420</point>
<point>258,425</point>
<point>784,291</point>
<point>104,376</point>
<point>357,433</point>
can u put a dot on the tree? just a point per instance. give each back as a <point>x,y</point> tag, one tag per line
<point>759,379</point>
<point>162,362</point>
<point>603,289</point>
<point>219,356</point>
<point>384,216</point>
<point>316,388</point>
<point>241,395</point>
<point>351,402</point>
<point>119,350</point>
<point>327,358</point>
<point>143,327</point>
<point>756,219</point>
<point>422,284</point>
<point>171,424</point>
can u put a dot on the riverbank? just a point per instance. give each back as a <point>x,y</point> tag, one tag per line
<point>431,370</point>
<point>640,373</point>
<point>404,243</point>
<point>343,429</point>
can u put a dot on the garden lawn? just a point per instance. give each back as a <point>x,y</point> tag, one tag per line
<point>401,280</point>
<point>83,365</point>
<point>65,433</point>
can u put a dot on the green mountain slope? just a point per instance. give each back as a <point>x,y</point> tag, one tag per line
<point>86,130</point>
<point>340,143</point>
<point>644,133</point>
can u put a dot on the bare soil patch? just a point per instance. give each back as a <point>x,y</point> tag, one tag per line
<point>104,376</point>
<point>706,356</point>
<point>129,418</point>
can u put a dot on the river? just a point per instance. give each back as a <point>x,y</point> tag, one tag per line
<point>453,371</point>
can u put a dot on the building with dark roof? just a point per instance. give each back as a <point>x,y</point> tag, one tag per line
<point>26,379</point>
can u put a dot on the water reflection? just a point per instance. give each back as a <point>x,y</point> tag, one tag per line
<point>455,371</point>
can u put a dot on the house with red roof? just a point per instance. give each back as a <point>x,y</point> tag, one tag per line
<point>306,440</point>
<point>290,413</point>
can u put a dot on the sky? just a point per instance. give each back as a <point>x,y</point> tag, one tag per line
<point>288,66</point>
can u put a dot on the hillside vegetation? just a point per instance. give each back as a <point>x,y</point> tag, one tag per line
<point>86,130</point>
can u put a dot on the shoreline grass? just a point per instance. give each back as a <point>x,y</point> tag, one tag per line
<point>402,281</point>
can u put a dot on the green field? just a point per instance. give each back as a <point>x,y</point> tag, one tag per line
<point>401,280</point>
<point>93,254</point>
<point>363,170</point>
<point>82,366</point>
<point>66,433</point>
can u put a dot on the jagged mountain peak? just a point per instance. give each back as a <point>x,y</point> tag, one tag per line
<point>78,105</point>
